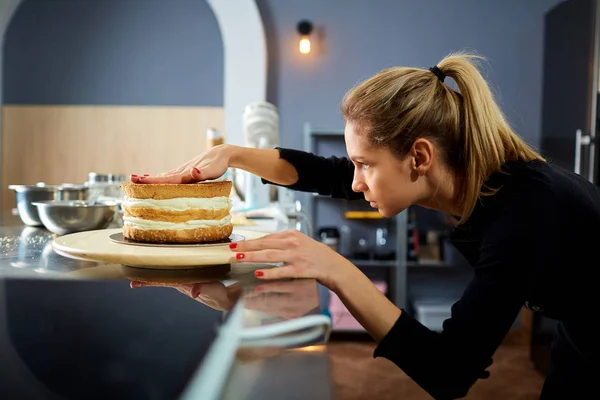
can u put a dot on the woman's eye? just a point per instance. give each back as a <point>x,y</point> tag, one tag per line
<point>364,166</point>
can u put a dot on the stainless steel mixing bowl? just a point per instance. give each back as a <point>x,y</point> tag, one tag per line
<point>27,194</point>
<point>71,191</point>
<point>64,217</point>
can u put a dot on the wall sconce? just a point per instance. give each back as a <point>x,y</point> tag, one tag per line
<point>304,29</point>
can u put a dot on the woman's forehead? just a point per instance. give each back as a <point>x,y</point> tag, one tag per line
<point>357,145</point>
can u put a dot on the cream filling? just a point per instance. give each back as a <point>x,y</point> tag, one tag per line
<point>180,203</point>
<point>145,224</point>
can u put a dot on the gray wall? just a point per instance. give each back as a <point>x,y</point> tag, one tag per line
<point>116,52</point>
<point>159,52</point>
<point>364,36</point>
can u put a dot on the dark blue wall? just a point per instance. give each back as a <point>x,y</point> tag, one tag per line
<point>363,36</point>
<point>114,52</point>
<point>159,52</point>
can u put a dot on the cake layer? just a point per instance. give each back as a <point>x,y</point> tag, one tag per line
<point>198,235</point>
<point>161,191</point>
<point>180,204</point>
<point>146,224</point>
<point>175,216</point>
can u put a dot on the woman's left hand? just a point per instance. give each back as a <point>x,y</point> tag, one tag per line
<point>303,257</point>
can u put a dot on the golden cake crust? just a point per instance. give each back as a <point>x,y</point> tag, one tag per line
<point>199,235</point>
<point>163,191</point>
<point>174,216</point>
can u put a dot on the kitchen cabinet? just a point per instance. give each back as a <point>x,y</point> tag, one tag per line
<point>570,87</point>
<point>569,112</point>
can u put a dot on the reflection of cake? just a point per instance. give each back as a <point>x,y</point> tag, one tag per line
<point>179,277</point>
<point>177,213</point>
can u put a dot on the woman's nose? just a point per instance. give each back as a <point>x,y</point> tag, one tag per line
<point>358,186</point>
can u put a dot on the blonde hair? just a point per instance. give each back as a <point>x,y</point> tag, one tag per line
<point>401,104</point>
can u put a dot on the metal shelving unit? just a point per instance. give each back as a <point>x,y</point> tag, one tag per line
<point>397,268</point>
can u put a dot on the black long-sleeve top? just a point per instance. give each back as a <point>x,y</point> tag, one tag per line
<point>534,243</point>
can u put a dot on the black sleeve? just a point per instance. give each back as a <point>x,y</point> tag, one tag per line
<point>331,176</point>
<point>448,363</point>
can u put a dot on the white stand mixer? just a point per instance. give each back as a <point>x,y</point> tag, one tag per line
<point>261,130</point>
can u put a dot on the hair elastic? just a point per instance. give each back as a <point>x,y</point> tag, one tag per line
<point>438,72</point>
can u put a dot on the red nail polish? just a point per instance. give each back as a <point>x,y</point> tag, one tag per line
<point>146,174</point>
<point>232,245</point>
<point>195,292</point>
<point>134,175</point>
<point>197,170</point>
<point>258,273</point>
<point>240,256</point>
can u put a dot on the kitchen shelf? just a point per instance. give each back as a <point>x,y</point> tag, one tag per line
<point>396,269</point>
<point>363,215</point>
<point>427,264</point>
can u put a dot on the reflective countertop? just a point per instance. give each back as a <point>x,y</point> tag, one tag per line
<point>180,301</point>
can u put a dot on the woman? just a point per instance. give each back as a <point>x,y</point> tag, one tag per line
<point>528,228</point>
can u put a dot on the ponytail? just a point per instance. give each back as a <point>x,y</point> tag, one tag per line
<point>400,104</point>
<point>488,140</point>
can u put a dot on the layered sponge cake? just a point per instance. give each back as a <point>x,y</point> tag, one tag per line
<point>177,213</point>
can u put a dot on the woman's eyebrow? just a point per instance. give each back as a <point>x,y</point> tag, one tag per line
<point>357,158</point>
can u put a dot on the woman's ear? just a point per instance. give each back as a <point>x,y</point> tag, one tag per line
<point>422,156</point>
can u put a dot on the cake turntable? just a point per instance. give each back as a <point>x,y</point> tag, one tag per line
<point>119,238</point>
<point>99,246</point>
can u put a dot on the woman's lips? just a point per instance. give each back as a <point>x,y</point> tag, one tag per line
<point>373,204</point>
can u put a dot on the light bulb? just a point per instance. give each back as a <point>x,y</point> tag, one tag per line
<point>304,45</point>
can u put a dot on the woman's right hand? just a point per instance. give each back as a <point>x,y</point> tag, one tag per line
<point>210,165</point>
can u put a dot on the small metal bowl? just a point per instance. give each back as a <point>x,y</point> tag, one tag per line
<point>27,194</point>
<point>71,191</point>
<point>64,217</point>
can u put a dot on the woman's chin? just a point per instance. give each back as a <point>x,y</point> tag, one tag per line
<point>389,213</point>
<point>384,213</point>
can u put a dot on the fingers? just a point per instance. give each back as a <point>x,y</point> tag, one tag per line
<point>178,178</point>
<point>287,271</point>
<point>191,175</point>
<point>195,175</point>
<point>185,167</point>
<point>263,243</point>
<point>209,289</point>
<point>196,290</point>
<point>138,284</point>
<point>261,256</point>
<point>281,240</point>
<point>135,178</point>
<point>277,287</point>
